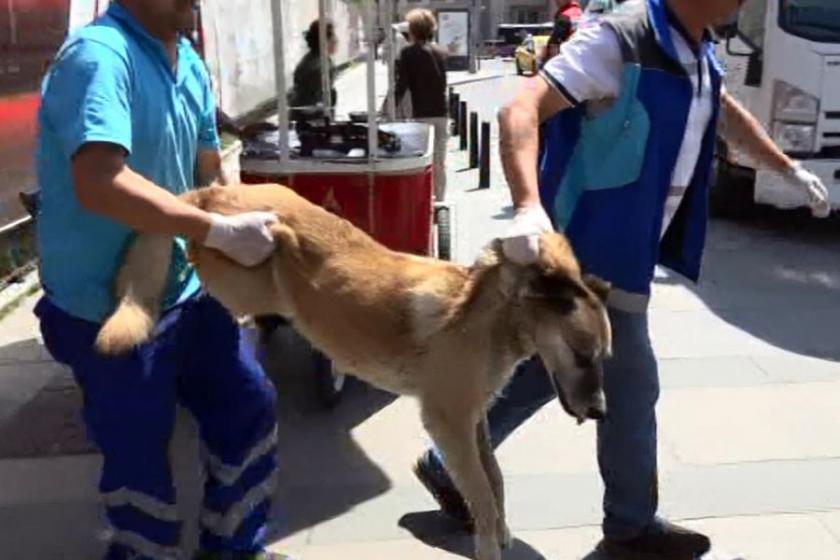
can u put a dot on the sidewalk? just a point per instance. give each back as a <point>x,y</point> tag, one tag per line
<point>749,422</point>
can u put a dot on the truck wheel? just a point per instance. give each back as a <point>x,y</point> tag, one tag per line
<point>732,192</point>
<point>444,234</point>
<point>329,383</point>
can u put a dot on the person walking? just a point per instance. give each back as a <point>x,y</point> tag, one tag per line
<point>126,123</point>
<point>307,89</point>
<point>422,72</point>
<point>613,144</point>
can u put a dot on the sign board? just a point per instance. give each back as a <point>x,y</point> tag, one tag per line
<point>454,37</point>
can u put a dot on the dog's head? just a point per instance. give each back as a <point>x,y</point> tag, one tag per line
<point>565,316</point>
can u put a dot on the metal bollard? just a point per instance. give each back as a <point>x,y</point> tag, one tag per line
<point>462,124</point>
<point>454,114</point>
<point>484,167</point>
<point>473,140</point>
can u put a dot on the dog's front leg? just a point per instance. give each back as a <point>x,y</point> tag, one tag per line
<point>455,437</point>
<point>497,483</point>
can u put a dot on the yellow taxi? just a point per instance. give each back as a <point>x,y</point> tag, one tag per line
<point>527,54</point>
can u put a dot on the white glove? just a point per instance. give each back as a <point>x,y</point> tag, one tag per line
<point>801,178</point>
<point>244,238</point>
<point>521,242</point>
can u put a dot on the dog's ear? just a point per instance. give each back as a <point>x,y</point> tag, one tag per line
<point>600,287</point>
<point>284,236</point>
<point>560,290</point>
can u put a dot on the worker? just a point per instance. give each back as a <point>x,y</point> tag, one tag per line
<point>126,123</point>
<point>628,113</point>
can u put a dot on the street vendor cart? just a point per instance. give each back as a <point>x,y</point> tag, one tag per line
<point>373,171</point>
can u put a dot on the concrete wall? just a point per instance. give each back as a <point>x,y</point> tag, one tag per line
<point>239,48</point>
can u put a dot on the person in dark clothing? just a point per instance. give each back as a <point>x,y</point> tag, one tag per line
<point>307,90</point>
<point>565,22</point>
<point>423,73</point>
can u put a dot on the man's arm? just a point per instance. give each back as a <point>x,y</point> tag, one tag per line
<point>209,168</point>
<point>739,128</point>
<point>105,185</point>
<point>519,123</point>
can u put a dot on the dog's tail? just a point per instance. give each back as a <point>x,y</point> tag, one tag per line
<point>139,289</point>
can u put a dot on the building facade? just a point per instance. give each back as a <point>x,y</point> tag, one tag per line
<point>492,12</point>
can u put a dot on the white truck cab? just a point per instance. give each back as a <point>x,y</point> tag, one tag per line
<point>783,64</point>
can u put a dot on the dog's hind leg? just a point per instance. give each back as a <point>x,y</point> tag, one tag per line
<point>497,483</point>
<point>456,438</point>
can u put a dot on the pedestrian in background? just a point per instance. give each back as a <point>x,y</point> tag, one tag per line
<point>401,39</point>
<point>423,75</point>
<point>565,23</point>
<point>307,89</point>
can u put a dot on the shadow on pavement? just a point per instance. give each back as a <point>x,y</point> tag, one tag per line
<point>775,276</point>
<point>44,417</point>
<point>438,531</point>
<point>323,471</point>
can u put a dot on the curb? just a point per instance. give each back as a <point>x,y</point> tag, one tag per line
<point>472,80</point>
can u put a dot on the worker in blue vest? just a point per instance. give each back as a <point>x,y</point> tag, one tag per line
<point>127,122</point>
<point>613,144</point>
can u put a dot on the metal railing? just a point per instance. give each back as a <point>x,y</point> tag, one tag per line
<point>18,248</point>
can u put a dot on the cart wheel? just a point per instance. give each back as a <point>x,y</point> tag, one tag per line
<point>444,234</point>
<point>329,383</point>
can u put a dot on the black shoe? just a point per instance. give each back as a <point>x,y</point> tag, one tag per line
<point>433,476</point>
<point>663,541</point>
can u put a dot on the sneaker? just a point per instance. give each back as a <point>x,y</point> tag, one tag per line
<point>225,555</point>
<point>663,541</point>
<point>434,477</point>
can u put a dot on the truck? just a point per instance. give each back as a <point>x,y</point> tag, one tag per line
<point>783,64</point>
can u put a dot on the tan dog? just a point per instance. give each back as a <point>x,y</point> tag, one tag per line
<point>447,334</point>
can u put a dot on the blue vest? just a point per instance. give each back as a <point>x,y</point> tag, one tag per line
<point>604,179</point>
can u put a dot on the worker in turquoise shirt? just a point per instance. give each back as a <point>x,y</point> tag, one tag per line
<point>127,122</point>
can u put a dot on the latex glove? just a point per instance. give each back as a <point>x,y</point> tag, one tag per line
<point>801,178</point>
<point>521,242</point>
<point>244,238</point>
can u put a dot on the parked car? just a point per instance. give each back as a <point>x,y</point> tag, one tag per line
<point>527,57</point>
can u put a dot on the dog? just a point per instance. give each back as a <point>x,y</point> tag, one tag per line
<point>448,334</point>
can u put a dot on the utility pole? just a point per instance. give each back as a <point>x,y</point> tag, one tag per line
<point>475,16</point>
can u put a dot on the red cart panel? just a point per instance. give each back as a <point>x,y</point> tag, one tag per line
<point>396,210</point>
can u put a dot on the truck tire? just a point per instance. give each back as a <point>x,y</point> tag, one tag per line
<point>732,192</point>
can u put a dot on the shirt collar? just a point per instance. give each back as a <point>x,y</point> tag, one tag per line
<point>674,21</point>
<point>132,25</point>
<point>659,20</point>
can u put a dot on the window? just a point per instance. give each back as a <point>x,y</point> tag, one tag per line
<point>816,20</point>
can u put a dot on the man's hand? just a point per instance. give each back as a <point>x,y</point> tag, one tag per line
<point>245,238</point>
<point>801,178</point>
<point>521,242</point>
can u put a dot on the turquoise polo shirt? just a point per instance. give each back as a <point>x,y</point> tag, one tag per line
<point>113,82</point>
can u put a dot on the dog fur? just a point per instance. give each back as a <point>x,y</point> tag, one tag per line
<point>447,334</point>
